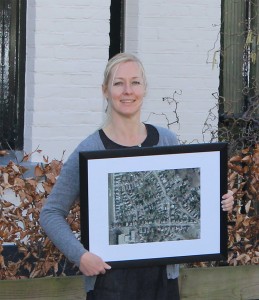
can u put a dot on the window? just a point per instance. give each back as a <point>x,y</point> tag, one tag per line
<point>12,34</point>
<point>116,27</point>
<point>239,75</point>
<point>240,60</point>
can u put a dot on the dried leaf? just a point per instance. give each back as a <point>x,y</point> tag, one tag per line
<point>51,178</point>
<point>245,151</point>
<point>19,182</point>
<point>5,183</point>
<point>247,206</point>
<point>26,157</point>
<point>3,152</point>
<point>236,168</point>
<point>252,190</point>
<point>247,159</point>
<point>6,203</point>
<point>22,249</point>
<point>2,264</point>
<point>15,168</point>
<point>32,182</point>
<point>246,169</point>
<point>256,158</point>
<point>232,176</point>
<point>236,158</point>
<point>255,260</point>
<point>238,237</point>
<point>244,258</point>
<point>38,172</point>
<point>248,246</point>
<point>47,187</point>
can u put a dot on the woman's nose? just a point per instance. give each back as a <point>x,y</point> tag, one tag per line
<point>127,88</point>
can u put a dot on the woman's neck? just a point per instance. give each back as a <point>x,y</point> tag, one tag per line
<point>130,133</point>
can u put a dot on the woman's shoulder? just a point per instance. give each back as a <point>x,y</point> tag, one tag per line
<point>166,136</point>
<point>164,131</point>
<point>91,143</point>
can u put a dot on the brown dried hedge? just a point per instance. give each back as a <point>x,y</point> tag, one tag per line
<point>38,257</point>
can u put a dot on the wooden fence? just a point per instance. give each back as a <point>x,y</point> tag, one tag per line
<point>219,283</point>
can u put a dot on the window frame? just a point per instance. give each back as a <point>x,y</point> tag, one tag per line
<point>12,104</point>
<point>117,27</point>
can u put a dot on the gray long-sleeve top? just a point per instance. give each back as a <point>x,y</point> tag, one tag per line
<point>66,191</point>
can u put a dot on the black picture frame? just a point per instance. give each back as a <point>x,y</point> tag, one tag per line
<point>157,205</point>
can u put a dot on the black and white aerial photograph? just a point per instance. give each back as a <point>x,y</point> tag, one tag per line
<point>154,206</point>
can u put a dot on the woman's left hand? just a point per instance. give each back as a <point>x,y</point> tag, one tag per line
<point>228,201</point>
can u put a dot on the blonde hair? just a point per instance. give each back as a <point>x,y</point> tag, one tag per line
<point>118,59</point>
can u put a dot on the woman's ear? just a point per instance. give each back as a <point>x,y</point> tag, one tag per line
<point>104,89</point>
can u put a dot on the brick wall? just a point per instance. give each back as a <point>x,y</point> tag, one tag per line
<point>67,49</point>
<point>177,43</point>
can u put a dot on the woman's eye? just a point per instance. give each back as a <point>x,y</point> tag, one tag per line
<point>118,83</point>
<point>121,83</point>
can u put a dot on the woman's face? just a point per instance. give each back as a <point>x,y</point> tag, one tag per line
<point>126,89</point>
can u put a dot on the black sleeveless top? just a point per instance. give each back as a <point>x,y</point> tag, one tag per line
<point>151,139</point>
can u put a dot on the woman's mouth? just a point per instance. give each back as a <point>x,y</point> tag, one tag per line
<point>127,100</point>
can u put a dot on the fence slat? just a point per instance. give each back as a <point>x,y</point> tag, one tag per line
<point>48,288</point>
<point>232,283</point>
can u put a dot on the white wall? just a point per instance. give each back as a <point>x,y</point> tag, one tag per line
<point>177,41</point>
<point>67,49</point>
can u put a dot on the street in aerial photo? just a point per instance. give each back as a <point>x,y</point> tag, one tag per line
<point>154,206</point>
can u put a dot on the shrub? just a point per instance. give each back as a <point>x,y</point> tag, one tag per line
<point>19,222</point>
<point>38,257</point>
<point>244,222</point>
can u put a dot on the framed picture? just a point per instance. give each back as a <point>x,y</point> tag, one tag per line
<point>158,205</point>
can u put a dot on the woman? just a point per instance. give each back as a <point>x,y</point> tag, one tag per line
<point>124,88</point>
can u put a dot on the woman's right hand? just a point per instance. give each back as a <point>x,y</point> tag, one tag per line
<point>91,264</point>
